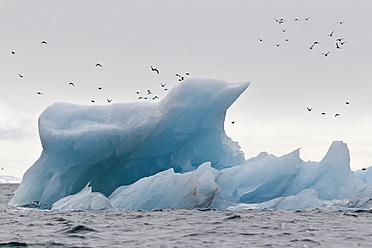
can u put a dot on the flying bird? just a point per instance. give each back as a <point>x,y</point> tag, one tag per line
<point>98,65</point>
<point>331,34</point>
<point>92,101</point>
<point>39,93</point>
<point>233,122</point>
<point>277,45</point>
<point>323,113</point>
<point>260,39</point>
<point>362,168</point>
<point>137,92</point>
<point>163,85</point>
<point>155,69</point>
<point>155,97</point>
<point>339,39</point>
<point>100,88</point>
<point>338,46</point>
<point>341,22</point>
<point>13,52</point>
<point>109,100</point>
<point>149,92</point>
<point>44,42</point>
<point>71,83</point>
<point>309,109</point>
<point>347,102</point>
<point>187,74</point>
<point>337,115</point>
<point>315,43</point>
<point>178,75</point>
<point>20,75</point>
<point>297,20</point>
<point>326,54</point>
<point>306,19</point>
<point>283,30</point>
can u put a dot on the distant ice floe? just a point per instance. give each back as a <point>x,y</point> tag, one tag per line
<point>9,179</point>
<point>175,154</point>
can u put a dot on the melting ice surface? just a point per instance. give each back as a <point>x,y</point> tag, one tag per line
<point>175,154</point>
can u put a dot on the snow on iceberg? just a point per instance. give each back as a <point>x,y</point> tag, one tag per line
<point>84,200</point>
<point>115,145</point>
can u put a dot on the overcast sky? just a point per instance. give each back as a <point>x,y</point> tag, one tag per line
<point>213,39</point>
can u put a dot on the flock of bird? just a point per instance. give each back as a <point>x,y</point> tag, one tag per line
<point>339,42</point>
<point>149,93</point>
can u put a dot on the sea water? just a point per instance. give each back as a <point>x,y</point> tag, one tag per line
<point>30,227</point>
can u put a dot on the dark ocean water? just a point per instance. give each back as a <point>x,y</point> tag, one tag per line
<point>25,227</point>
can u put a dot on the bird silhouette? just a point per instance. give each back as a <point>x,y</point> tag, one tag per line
<point>277,45</point>
<point>286,40</point>
<point>13,52</point>
<point>44,42</point>
<point>155,97</point>
<point>297,20</point>
<point>283,30</point>
<point>337,46</point>
<point>315,43</point>
<point>337,115</point>
<point>155,69</point>
<point>187,74</point>
<point>178,75</point>
<point>20,75</point>
<point>39,93</point>
<point>339,39</point>
<point>233,122</point>
<point>323,113</point>
<point>364,168</point>
<point>100,88</point>
<point>306,19</point>
<point>109,100</point>
<point>331,34</point>
<point>347,103</point>
<point>165,89</point>
<point>71,83</point>
<point>149,92</point>
<point>137,92</point>
<point>260,39</point>
<point>92,101</point>
<point>163,85</point>
<point>342,43</point>
<point>98,65</point>
<point>326,54</point>
<point>341,22</point>
<point>309,109</point>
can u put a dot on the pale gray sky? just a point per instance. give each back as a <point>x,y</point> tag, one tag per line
<point>215,39</point>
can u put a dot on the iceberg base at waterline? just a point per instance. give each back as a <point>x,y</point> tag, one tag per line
<point>176,154</point>
<point>271,182</point>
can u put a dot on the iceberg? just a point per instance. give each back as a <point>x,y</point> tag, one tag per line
<point>175,154</point>
<point>116,145</point>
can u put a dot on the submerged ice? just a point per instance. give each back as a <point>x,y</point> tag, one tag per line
<point>175,154</point>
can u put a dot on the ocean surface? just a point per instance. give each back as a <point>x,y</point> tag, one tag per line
<point>27,227</point>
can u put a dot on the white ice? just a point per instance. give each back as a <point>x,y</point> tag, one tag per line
<point>84,200</point>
